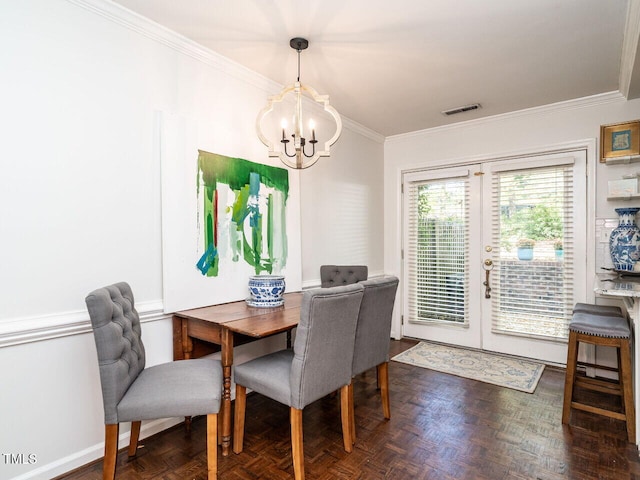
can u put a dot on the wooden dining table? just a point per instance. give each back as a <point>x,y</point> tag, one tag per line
<point>198,331</point>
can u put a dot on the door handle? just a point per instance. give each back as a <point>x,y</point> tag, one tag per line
<point>488,266</point>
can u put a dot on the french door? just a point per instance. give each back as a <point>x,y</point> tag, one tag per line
<point>469,281</point>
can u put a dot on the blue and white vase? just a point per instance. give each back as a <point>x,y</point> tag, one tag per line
<point>624,240</point>
<point>266,291</point>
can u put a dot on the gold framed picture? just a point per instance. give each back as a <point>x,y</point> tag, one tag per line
<point>619,140</point>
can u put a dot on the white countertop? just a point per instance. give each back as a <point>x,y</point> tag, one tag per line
<point>618,286</point>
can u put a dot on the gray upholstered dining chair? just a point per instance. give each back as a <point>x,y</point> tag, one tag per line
<point>336,275</point>
<point>373,334</point>
<point>131,392</point>
<point>319,364</point>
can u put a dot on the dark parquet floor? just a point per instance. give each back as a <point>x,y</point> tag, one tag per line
<point>442,427</point>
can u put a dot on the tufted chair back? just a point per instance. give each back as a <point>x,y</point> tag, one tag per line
<point>338,275</point>
<point>116,329</point>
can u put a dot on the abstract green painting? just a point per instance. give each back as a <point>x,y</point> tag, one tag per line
<point>241,214</point>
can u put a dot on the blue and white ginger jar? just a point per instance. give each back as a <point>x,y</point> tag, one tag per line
<point>624,240</point>
<point>266,291</point>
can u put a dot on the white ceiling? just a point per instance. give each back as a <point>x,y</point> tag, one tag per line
<point>393,66</point>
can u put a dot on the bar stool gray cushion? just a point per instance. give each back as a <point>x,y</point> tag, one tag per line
<point>336,275</point>
<point>600,325</point>
<point>598,309</point>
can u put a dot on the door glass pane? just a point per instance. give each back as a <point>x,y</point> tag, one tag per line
<point>533,229</point>
<point>437,245</point>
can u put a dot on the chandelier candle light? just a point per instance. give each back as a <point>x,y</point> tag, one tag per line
<point>301,156</point>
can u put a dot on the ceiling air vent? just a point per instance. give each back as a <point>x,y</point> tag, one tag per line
<point>466,108</point>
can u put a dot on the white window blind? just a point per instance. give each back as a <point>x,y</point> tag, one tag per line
<point>437,244</point>
<point>533,297</point>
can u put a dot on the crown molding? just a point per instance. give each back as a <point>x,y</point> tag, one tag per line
<point>148,28</point>
<point>46,327</point>
<point>144,26</point>
<point>584,102</point>
<point>362,130</point>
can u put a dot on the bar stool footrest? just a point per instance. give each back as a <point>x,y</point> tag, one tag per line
<point>600,411</point>
<point>598,385</point>
<point>599,367</point>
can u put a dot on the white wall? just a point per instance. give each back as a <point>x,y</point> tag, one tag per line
<point>80,203</point>
<point>531,130</point>
<point>343,203</point>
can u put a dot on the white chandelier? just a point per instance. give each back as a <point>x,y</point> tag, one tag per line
<point>302,155</point>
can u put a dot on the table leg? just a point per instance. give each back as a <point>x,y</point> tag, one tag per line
<point>227,362</point>
<point>288,339</point>
<point>178,352</point>
<point>182,349</point>
<point>187,343</point>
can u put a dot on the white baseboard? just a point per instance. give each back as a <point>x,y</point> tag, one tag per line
<point>95,452</point>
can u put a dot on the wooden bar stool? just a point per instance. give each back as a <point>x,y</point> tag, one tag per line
<point>605,326</point>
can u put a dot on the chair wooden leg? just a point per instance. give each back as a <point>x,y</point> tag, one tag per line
<point>570,376</point>
<point>110,451</point>
<point>345,415</point>
<point>133,439</point>
<point>383,378</point>
<point>238,418</point>
<point>219,429</point>
<point>352,414</point>
<point>212,446</point>
<point>297,448</point>
<point>626,382</point>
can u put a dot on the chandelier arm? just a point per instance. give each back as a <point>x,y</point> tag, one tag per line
<point>313,150</point>
<point>286,142</point>
<point>294,165</point>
